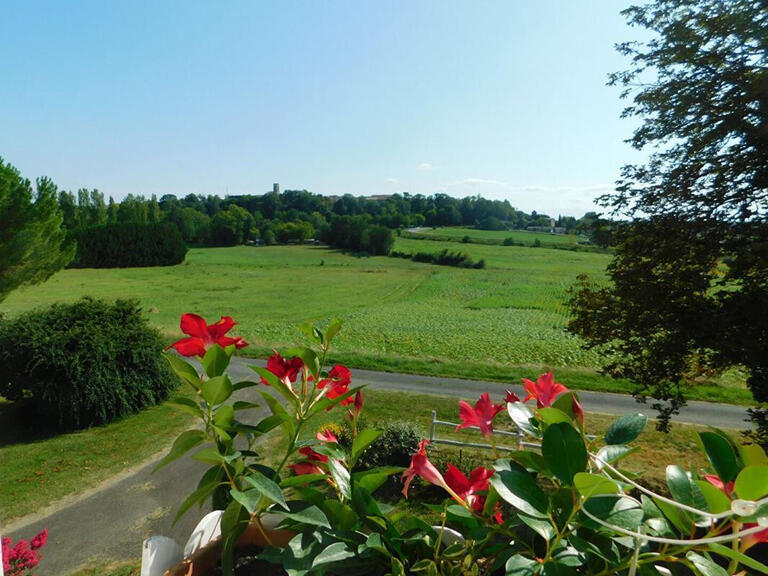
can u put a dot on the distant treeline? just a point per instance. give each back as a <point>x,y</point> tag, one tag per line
<point>128,245</point>
<point>294,216</point>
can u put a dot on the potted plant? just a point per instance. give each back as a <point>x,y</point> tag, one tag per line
<point>569,509</point>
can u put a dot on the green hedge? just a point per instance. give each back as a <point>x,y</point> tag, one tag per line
<point>83,364</point>
<point>129,245</point>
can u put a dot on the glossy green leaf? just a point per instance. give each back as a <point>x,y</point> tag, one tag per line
<point>716,501</point>
<point>217,389</point>
<point>183,444</point>
<point>519,565</point>
<point>753,455</point>
<point>592,484</point>
<point>286,420</point>
<point>336,552</point>
<point>613,453</point>
<point>752,483</point>
<point>224,416</point>
<point>747,561</point>
<point>523,418</point>
<point>557,569</point>
<point>683,488</point>
<point>364,439</point>
<point>268,488</point>
<point>305,513</point>
<point>541,526</point>
<point>184,370</point>
<point>301,480</point>
<point>616,510</point>
<point>626,429</point>
<point>205,487</point>
<point>215,361</point>
<point>209,455</point>
<point>553,416</point>
<point>720,454</point>
<point>308,356</point>
<point>340,477</point>
<point>564,451</point>
<point>243,405</point>
<point>375,477</point>
<point>518,488</point>
<point>677,517</point>
<point>276,384</point>
<point>330,333</point>
<point>705,565</point>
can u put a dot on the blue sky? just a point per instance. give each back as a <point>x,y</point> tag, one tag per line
<point>503,99</point>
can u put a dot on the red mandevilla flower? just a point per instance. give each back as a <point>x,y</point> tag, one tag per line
<point>357,408</point>
<point>510,397</point>
<point>545,390</point>
<point>421,466</point>
<point>727,489</point>
<point>285,369</point>
<point>481,415</point>
<point>472,490</point>
<point>21,558</point>
<point>337,383</point>
<point>202,336</point>
<point>311,465</point>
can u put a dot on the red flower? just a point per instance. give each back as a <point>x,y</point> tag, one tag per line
<point>39,540</point>
<point>285,369</point>
<point>202,336</point>
<point>545,390</point>
<point>468,488</point>
<point>311,465</point>
<point>337,383</point>
<point>355,411</point>
<point>302,468</point>
<point>421,466</point>
<point>726,489</point>
<point>481,415</point>
<point>578,411</point>
<point>510,397</point>
<point>327,436</point>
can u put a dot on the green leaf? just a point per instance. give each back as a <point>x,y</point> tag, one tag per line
<point>311,332</point>
<point>242,405</point>
<point>305,513</point>
<point>518,488</point>
<point>267,488</point>
<point>301,480</point>
<point>233,523</point>
<point>564,402</point>
<point>542,527</point>
<point>336,552</point>
<point>208,484</point>
<point>364,439</point>
<point>184,370</point>
<point>249,499</point>
<point>217,389</point>
<point>340,477</point>
<point>523,418</point>
<point>215,361</point>
<point>753,455</point>
<point>519,565</point>
<point>375,477</point>
<point>209,455</point>
<point>224,416</point>
<point>557,569</point>
<point>705,566</point>
<point>183,444</point>
<point>616,510</point>
<point>683,489</point>
<point>752,483</point>
<point>613,453</point>
<point>593,484</point>
<point>553,416</point>
<point>308,356</point>
<point>564,451</point>
<point>626,429</point>
<point>716,501</point>
<point>679,519</point>
<point>187,405</point>
<point>740,557</point>
<point>286,420</point>
<point>720,454</point>
<point>331,331</point>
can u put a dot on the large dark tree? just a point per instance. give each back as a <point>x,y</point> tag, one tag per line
<point>32,240</point>
<point>689,283</point>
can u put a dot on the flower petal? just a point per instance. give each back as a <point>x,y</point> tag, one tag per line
<point>194,325</point>
<point>189,347</point>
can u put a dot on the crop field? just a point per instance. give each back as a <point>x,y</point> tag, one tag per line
<point>511,313</point>
<point>457,233</point>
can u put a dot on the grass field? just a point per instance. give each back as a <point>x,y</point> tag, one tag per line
<point>497,323</point>
<point>457,234</point>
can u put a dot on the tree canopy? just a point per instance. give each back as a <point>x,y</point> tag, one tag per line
<point>689,281</point>
<point>32,240</point>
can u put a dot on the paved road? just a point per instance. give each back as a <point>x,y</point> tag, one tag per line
<point>111,521</point>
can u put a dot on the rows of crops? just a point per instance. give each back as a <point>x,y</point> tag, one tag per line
<point>511,312</point>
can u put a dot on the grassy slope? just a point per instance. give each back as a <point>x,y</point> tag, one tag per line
<point>456,234</point>
<point>40,470</point>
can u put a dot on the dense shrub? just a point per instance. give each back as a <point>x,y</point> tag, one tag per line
<point>83,364</point>
<point>129,245</point>
<point>356,233</point>
<point>397,443</point>
<point>442,258</point>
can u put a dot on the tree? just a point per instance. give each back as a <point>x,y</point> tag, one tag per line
<point>689,289</point>
<point>32,240</point>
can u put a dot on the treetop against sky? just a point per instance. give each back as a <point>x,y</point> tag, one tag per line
<point>503,99</point>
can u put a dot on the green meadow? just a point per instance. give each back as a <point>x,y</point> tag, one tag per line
<point>502,322</point>
<point>458,233</point>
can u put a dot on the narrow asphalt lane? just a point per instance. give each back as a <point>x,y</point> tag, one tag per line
<point>111,521</point>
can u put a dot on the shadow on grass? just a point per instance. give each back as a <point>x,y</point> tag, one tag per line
<point>20,424</point>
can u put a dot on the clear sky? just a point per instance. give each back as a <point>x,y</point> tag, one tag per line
<point>504,99</point>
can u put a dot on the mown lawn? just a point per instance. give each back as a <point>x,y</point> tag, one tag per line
<point>458,233</point>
